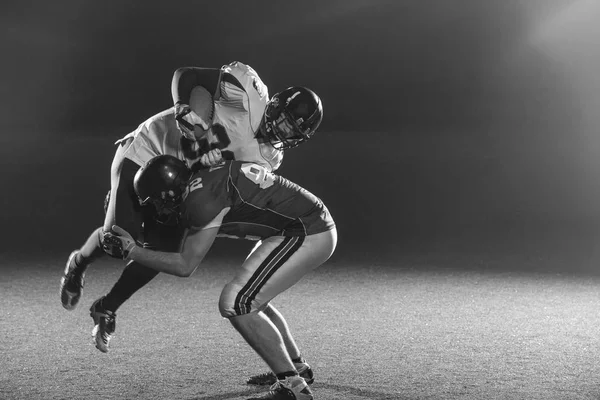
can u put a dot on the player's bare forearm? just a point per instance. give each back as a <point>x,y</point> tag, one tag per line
<point>169,263</point>
<point>183,264</point>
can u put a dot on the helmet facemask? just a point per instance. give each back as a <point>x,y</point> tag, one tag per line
<point>161,187</point>
<point>287,123</point>
<point>165,209</point>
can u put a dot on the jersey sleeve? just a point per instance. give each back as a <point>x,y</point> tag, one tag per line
<point>254,89</point>
<point>157,135</point>
<point>248,78</point>
<point>186,78</point>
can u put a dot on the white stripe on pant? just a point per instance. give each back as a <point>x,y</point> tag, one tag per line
<point>274,265</point>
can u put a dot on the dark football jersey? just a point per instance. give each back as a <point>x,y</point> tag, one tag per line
<point>261,204</point>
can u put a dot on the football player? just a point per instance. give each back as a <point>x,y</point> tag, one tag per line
<point>295,234</point>
<point>155,136</point>
<point>187,132</point>
<point>240,101</point>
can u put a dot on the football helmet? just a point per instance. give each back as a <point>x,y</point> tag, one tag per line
<point>162,183</point>
<point>291,117</point>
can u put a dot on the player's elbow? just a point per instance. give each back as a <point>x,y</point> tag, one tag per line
<point>186,273</point>
<point>179,70</point>
<point>182,71</point>
<point>182,269</point>
<point>186,268</point>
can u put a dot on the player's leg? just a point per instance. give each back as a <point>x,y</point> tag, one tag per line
<point>305,371</point>
<point>275,316</point>
<point>264,337</point>
<point>104,310</point>
<point>134,277</point>
<point>121,207</point>
<point>157,237</point>
<point>276,265</point>
<point>303,368</point>
<point>277,319</point>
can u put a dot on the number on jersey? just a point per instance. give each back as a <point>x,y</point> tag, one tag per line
<point>215,138</point>
<point>258,175</point>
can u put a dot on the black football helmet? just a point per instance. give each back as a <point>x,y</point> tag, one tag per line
<point>162,183</point>
<point>292,116</point>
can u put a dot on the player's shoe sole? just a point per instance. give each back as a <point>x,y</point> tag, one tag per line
<point>293,388</point>
<point>104,325</point>
<point>71,284</point>
<point>268,378</point>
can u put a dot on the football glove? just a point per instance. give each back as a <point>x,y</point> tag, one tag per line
<point>186,119</point>
<point>212,158</point>
<point>118,243</point>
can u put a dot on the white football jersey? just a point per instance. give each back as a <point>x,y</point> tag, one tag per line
<point>156,136</point>
<point>238,113</point>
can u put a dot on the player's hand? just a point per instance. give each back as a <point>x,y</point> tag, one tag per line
<point>118,243</point>
<point>186,119</point>
<point>212,158</point>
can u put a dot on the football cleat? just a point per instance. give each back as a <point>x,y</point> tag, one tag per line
<point>292,388</point>
<point>268,378</point>
<point>104,325</point>
<point>71,284</point>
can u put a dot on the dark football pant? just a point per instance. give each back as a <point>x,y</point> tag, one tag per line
<point>124,210</point>
<point>135,276</point>
<point>122,207</point>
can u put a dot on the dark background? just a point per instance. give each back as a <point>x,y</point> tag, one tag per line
<point>452,125</point>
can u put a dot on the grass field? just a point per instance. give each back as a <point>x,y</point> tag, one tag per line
<point>417,328</point>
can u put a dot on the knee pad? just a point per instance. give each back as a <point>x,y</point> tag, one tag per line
<point>233,303</point>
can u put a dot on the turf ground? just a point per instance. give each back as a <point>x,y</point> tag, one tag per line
<point>445,324</point>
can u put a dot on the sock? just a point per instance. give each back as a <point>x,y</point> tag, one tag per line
<point>299,360</point>
<point>133,278</point>
<point>287,374</point>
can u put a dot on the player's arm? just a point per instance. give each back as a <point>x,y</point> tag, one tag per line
<point>186,78</point>
<point>183,264</point>
<point>184,81</point>
<point>196,244</point>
